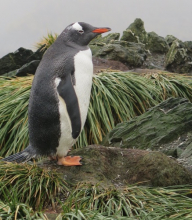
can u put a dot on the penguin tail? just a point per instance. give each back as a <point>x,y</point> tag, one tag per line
<point>22,156</point>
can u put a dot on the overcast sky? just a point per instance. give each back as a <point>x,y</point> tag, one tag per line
<point>24,22</point>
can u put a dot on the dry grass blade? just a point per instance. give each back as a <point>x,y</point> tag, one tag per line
<point>172,85</point>
<point>46,40</point>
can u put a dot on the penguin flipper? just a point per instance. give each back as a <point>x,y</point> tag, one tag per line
<point>67,93</point>
<point>21,157</point>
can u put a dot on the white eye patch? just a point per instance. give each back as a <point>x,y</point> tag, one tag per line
<point>77,26</point>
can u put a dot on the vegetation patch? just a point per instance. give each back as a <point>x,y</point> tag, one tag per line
<point>46,41</point>
<point>96,202</point>
<point>36,188</point>
<point>14,210</point>
<point>30,184</point>
<point>115,97</point>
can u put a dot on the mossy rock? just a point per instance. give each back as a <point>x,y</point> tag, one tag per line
<point>165,127</point>
<point>177,58</point>
<point>97,43</point>
<point>132,56</point>
<point>111,165</point>
<point>107,39</point>
<point>156,44</point>
<point>135,32</point>
<point>170,39</point>
<point>188,45</point>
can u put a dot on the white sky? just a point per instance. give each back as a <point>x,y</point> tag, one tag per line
<point>24,22</point>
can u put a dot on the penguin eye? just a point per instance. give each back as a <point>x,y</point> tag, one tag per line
<point>81,31</point>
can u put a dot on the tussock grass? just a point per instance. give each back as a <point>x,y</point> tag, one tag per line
<point>172,85</point>
<point>46,40</point>
<point>18,211</point>
<point>87,201</point>
<point>14,96</point>
<point>115,97</point>
<point>30,184</point>
<point>94,202</point>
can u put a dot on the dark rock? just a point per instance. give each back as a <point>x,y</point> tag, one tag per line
<point>177,59</point>
<point>165,127</point>
<point>13,61</point>
<point>156,44</point>
<point>37,55</point>
<point>28,68</point>
<point>123,166</point>
<point>21,62</point>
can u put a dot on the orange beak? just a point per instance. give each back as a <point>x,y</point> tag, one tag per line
<point>101,30</point>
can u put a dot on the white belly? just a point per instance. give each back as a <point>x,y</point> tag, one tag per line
<point>83,79</point>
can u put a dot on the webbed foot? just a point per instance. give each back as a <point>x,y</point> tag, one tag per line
<point>69,161</point>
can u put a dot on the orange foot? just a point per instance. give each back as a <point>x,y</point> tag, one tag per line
<point>69,161</point>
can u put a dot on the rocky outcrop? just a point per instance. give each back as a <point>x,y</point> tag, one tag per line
<point>97,43</point>
<point>13,61</point>
<point>156,44</point>
<point>136,48</point>
<point>21,62</point>
<point>28,68</point>
<point>135,32</point>
<point>131,54</point>
<point>166,127</point>
<point>170,39</point>
<point>123,166</point>
<point>105,40</point>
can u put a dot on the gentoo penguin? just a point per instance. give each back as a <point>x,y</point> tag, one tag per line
<point>60,96</point>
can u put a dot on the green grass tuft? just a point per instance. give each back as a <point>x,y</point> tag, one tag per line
<point>134,202</point>
<point>30,184</point>
<point>14,97</point>
<point>14,210</point>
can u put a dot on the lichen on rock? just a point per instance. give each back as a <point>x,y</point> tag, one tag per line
<point>135,32</point>
<point>177,58</point>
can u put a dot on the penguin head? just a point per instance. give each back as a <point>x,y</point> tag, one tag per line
<point>82,33</point>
